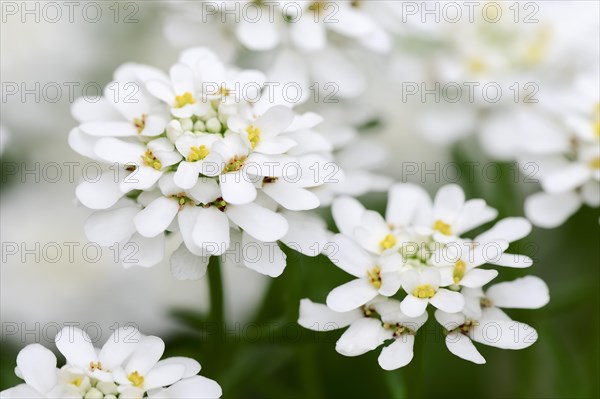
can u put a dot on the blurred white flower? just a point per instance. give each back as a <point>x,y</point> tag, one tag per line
<point>128,365</point>
<point>568,160</point>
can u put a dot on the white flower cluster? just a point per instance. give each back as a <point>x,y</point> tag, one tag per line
<point>418,252</point>
<point>129,366</point>
<point>567,155</point>
<point>201,153</point>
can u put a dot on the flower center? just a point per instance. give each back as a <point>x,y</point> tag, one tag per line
<point>150,160</point>
<point>219,203</point>
<point>424,291</point>
<point>136,379</point>
<point>77,381</point>
<point>95,366</point>
<point>388,242</point>
<point>235,164</point>
<point>459,271</point>
<point>184,99</point>
<point>224,91</point>
<point>467,326</point>
<point>374,276</point>
<point>253,135</point>
<point>442,227</point>
<point>140,123</point>
<point>398,329</point>
<point>197,153</point>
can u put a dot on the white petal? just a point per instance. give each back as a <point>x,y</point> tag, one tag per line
<point>100,194</point>
<point>307,34</point>
<point>307,233</point>
<point>318,317</point>
<point>390,283</point>
<point>259,222</point>
<point>346,213</point>
<point>187,222</point>
<point>408,204</point>
<point>119,151</point>
<point>187,266</point>
<point>161,376</point>
<point>237,188</point>
<point>551,210</point>
<point>111,226</point>
<point>448,203</point>
<point>276,120</point>
<point>565,179</point>
<point>504,334</point>
<point>449,321</point>
<point>528,292</point>
<point>82,143</point>
<point>191,387</point>
<point>264,257</point>
<point>148,352</point>
<point>119,347</point>
<point>204,191</point>
<point>351,295</point>
<point>76,346</point>
<point>186,175</point>
<point>192,367</point>
<point>413,306</point>
<point>211,231</point>
<point>362,336</point>
<point>143,251</point>
<point>398,354</point>
<point>508,229</point>
<point>348,256</point>
<point>461,346</point>
<point>291,196</point>
<point>105,129</point>
<point>478,278</point>
<point>512,260</point>
<point>448,301</point>
<point>156,217</point>
<point>37,366</point>
<point>259,35</point>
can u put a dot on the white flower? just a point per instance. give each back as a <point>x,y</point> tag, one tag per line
<point>372,325</point>
<point>82,358</point>
<point>374,274</point>
<point>127,366</point>
<point>423,288</point>
<point>527,292</point>
<point>503,334</point>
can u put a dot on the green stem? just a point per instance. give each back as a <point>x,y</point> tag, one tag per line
<point>215,282</point>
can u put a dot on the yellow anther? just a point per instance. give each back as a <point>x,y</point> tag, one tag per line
<point>235,164</point>
<point>459,271</point>
<point>388,242</point>
<point>594,163</point>
<point>476,65</point>
<point>485,303</point>
<point>150,160</point>
<point>136,379</point>
<point>253,135</point>
<point>442,227</point>
<point>95,366</point>
<point>197,153</point>
<point>424,291</point>
<point>224,91</point>
<point>140,123</point>
<point>184,99</point>
<point>374,276</point>
<point>77,381</point>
